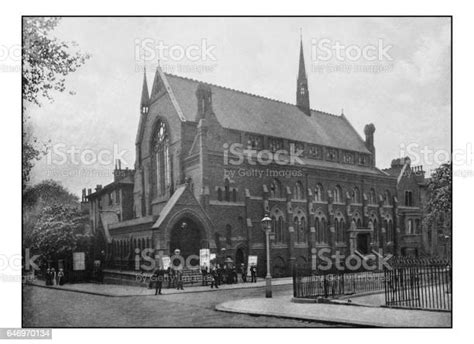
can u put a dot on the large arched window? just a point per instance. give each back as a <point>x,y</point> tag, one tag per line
<point>372,197</point>
<point>337,194</point>
<point>355,195</point>
<point>278,226</point>
<point>161,157</point>
<point>300,227</point>
<point>318,193</point>
<point>339,227</point>
<point>276,189</point>
<point>387,198</point>
<point>321,228</point>
<point>357,220</point>
<point>227,190</point>
<point>299,194</point>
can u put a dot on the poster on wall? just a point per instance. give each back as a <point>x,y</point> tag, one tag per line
<point>165,262</point>
<point>78,261</point>
<point>252,261</point>
<point>204,257</point>
<point>213,258</point>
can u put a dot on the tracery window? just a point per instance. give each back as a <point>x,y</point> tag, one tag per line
<point>162,158</point>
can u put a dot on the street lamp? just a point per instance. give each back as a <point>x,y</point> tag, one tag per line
<point>267,228</point>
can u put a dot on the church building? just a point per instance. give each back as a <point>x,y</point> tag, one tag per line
<point>212,161</point>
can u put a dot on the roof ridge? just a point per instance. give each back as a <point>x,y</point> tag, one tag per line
<point>247,93</point>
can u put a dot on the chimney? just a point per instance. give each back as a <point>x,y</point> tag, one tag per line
<point>204,99</point>
<point>369,131</point>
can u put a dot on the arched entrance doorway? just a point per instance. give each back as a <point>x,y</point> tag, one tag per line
<point>240,257</point>
<point>186,236</point>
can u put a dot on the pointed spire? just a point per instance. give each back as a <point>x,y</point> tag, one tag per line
<point>302,92</point>
<point>145,101</point>
<point>302,68</point>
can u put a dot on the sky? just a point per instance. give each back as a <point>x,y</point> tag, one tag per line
<point>393,72</point>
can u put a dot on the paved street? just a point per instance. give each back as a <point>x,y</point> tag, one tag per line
<point>56,308</point>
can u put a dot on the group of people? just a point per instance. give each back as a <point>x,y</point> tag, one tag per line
<point>53,278</point>
<point>228,274</point>
<point>214,276</point>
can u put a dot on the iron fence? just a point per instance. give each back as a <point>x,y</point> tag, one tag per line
<point>418,284</point>
<point>314,284</point>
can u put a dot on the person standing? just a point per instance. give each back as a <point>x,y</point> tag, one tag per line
<point>47,276</point>
<point>214,278</point>
<point>219,274</point>
<point>253,273</point>
<point>61,277</point>
<point>179,280</point>
<point>204,273</point>
<point>159,276</point>
<point>244,272</point>
<point>53,276</point>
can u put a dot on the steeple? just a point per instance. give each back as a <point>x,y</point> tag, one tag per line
<point>145,101</point>
<point>302,93</point>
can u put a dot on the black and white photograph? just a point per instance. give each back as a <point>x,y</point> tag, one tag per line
<point>221,171</point>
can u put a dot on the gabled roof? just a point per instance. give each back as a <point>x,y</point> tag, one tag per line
<point>184,197</point>
<point>255,114</point>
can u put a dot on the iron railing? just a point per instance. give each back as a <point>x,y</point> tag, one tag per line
<point>313,284</point>
<point>418,284</point>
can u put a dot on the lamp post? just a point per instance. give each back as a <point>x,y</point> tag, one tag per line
<point>267,228</point>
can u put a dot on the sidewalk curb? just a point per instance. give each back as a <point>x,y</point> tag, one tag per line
<point>222,308</point>
<point>340,314</point>
<point>174,292</point>
<point>74,290</point>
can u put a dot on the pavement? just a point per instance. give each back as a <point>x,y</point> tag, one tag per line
<point>115,290</point>
<point>356,310</point>
<point>333,313</point>
<point>53,307</point>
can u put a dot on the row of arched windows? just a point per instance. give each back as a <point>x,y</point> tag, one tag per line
<point>125,248</point>
<point>227,193</point>
<point>277,191</point>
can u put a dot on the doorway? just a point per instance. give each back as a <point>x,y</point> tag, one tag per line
<point>239,257</point>
<point>363,243</point>
<point>186,236</point>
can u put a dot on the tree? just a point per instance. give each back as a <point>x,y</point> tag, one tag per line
<point>439,205</point>
<point>48,193</point>
<point>60,231</point>
<point>46,61</point>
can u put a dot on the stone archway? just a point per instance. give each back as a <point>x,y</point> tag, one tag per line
<point>186,235</point>
<point>240,257</point>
